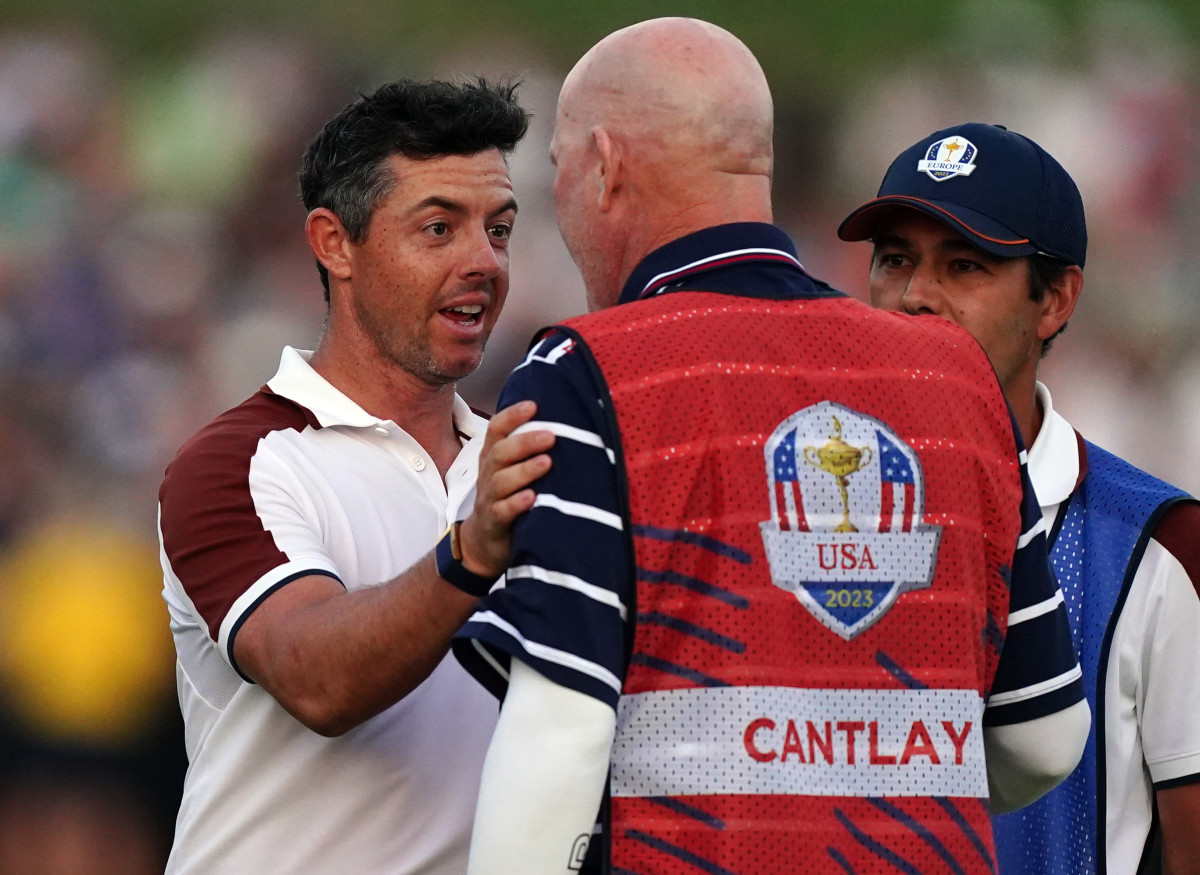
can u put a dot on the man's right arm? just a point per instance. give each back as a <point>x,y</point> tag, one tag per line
<point>334,658</point>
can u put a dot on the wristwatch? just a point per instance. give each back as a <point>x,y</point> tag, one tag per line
<point>451,569</point>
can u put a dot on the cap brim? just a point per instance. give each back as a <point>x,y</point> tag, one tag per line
<point>988,234</point>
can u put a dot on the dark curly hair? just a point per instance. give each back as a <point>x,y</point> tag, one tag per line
<point>345,167</point>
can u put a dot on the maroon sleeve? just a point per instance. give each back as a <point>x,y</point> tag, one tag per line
<point>213,538</point>
<point>1179,532</point>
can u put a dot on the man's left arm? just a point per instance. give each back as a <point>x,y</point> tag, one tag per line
<point>550,640</point>
<point>543,779</point>
<point>1168,715</point>
<point>1179,817</point>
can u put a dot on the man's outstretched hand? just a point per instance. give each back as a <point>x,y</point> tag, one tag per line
<point>509,463</point>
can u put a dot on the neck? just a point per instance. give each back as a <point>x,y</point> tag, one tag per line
<point>1029,414</point>
<point>715,199</point>
<point>388,392</point>
<point>681,211</point>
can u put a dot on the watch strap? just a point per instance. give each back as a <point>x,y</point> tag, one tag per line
<point>452,570</point>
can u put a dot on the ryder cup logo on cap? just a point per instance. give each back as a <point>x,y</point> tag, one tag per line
<point>1009,196</point>
<point>953,156</point>
<point>847,535</point>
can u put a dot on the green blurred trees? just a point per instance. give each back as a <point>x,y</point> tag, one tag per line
<point>825,44</point>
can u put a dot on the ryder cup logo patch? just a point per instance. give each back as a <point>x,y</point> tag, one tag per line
<point>846,533</point>
<point>953,156</point>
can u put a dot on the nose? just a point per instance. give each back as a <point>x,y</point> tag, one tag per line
<point>482,260</point>
<point>923,293</point>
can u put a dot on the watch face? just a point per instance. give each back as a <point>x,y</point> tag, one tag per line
<point>455,546</point>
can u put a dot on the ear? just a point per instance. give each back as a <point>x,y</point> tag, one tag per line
<point>329,241</point>
<point>610,169</point>
<point>1059,302</point>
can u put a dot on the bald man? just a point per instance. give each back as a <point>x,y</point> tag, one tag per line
<point>755,615</point>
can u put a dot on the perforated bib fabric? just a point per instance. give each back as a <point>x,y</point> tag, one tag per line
<point>1104,531</point>
<point>823,551</point>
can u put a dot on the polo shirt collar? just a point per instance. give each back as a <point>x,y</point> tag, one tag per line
<point>1054,462</point>
<point>297,381</point>
<point>711,249</point>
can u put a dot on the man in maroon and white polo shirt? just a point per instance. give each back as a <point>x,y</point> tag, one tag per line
<point>326,731</point>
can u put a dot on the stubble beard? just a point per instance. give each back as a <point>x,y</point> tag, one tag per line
<point>416,355</point>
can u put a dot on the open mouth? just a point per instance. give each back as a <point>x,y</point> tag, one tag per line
<point>467,314</point>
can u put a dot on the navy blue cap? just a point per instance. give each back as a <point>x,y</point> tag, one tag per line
<point>1000,190</point>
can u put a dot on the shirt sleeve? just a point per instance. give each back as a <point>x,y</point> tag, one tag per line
<point>1156,648</point>
<point>543,779</point>
<point>1038,673</point>
<point>562,606</point>
<point>234,529</point>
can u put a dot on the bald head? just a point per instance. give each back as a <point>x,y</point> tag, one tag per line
<point>663,128</point>
<point>673,85</point>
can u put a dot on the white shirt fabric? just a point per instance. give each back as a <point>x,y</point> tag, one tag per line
<point>1152,690</point>
<point>339,492</point>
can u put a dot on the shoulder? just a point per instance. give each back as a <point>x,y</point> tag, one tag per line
<point>228,443</point>
<point>938,336</point>
<point>1126,491</point>
<point>925,335</point>
<point>558,362</point>
<point>1178,532</point>
<point>1109,468</point>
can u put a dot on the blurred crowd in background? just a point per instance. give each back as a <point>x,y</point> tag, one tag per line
<point>152,265</point>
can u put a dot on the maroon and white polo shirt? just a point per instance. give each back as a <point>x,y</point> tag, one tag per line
<point>300,480</point>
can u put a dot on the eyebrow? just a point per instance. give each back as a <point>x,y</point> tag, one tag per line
<point>453,206</point>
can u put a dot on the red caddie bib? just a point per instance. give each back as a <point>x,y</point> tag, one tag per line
<point>824,500</point>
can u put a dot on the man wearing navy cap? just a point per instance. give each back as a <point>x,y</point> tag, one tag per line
<point>981,226</point>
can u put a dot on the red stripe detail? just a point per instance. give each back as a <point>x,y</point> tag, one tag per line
<point>909,496</point>
<point>891,198</point>
<point>709,265</point>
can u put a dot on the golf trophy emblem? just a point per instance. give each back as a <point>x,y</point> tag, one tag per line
<point>841,460</point>
<point>847,534</point>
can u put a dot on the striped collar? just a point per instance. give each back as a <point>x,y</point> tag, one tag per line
<point>744,258</point>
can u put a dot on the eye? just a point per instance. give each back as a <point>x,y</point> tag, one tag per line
<point>501,231</point>
<point>437,229</point>
<point>890,260</point>
<point>964,265</point>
